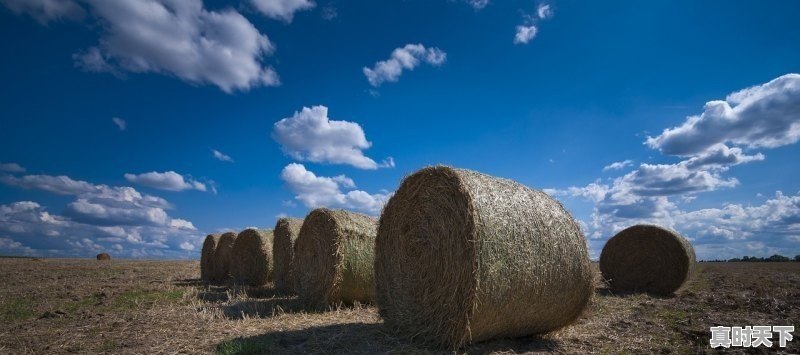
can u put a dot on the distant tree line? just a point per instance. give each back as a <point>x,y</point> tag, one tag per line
<point>748,259</point>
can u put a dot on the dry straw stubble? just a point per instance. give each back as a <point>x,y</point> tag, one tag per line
<point>335,251</point>
<point>286,232</point>
<point>647,258</point>
<point>222,257</point>
<point>207,256</point>
<point>251,262</point>
<point>463,256</point>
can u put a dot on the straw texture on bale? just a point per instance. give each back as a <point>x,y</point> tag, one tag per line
<point>207,256</point>
<point>103,256</point>
<point>222,257</point>
<point>463,257</point>
<point>286,232</point>
<point>251,261</point>
<point>335,252</point>
<point>647,258</point>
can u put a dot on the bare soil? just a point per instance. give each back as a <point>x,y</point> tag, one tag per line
<point>122,306</point>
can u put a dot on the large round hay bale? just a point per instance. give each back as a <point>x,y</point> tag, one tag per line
<point>647,258</point>
<point>286,232</point>
<point>463,257</point>
<point>103,256</point>
<point>336,251</point>
<point>222,257</point>
<point>207,256</point>
<point>251,261</point>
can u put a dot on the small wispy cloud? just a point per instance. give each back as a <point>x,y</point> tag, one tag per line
<point>618,165</point>
<point>120,123</point>
<point>221,156</point>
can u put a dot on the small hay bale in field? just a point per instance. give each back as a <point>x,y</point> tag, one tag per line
<point>207,256</point>
<point>335,252</point>
<point>222,257</point>
<point>286,232</point>
<point>647,258</point>
<point>251,261</point>
<point>462,257</point>
<point>103,256</point>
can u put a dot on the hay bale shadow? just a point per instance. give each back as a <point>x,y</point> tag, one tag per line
<point>364,338</point>
<point>189,282</point>
<point>607,291</point>
<point>262,308</point>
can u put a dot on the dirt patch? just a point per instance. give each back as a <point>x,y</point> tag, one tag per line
<point>68,306</point>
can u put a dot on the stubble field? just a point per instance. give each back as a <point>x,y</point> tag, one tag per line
<point>122,306</point>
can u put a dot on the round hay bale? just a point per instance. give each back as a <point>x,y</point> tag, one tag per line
<point>462,257</point>
<point>103,256</point>
<point>222,257</point>
<point>207,256</point>
<point>286,232</point>
<point>336,249</point>
<point>251,261</point>
<point>647,258</point>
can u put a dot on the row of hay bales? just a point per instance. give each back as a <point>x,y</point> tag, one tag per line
<point>456,257</point>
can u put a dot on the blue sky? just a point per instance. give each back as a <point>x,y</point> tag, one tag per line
<point>112,112</point>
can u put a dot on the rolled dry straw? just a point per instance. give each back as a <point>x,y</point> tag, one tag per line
<point>286,232</point>
<point>647,258</point>
<point>335,252</point>
<point>251,261</point>
<point>103,256</point>
<point>462,257</point>
<point>222,257</point>
<point>207,256</point>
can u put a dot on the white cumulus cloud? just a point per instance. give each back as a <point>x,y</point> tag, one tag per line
<point>407,57</point>
<point>179,38</point>
<point>766,115</point>
<point>318,191</point>
<point>282,9</point>
<point>169,180</point>
<point>525,34</point>
<point>310,135</point>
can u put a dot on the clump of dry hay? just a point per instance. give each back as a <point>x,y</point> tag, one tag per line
<point>335,251</point>
<point>222,257</point>
<point>286,232</point>
<point>647,258</point>
<point>207,256</point>
<point>103,256</point>
<point>463,257</point>
<point>251,261</point>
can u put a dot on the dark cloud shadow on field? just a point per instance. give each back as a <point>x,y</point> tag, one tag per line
<point>365,338</point>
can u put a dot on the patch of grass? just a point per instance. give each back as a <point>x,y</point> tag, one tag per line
<point>698,281</point>
<point>143,298</point>
<point>16,310</point>
<point>674,317</point>
<point>244,346</point>
<point>109,345</point>
<point>86,302</point>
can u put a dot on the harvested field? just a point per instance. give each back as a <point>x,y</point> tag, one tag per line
<point>124,306</point>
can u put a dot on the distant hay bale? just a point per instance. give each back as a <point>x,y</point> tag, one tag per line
<point>462,257</point>
<point>103,256</point>
<point>222,257</point>
<point>286,232</point>
<point>335,252</point>
<point>647,258</point>
<point>207,256</point>
<point>251,261</point>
